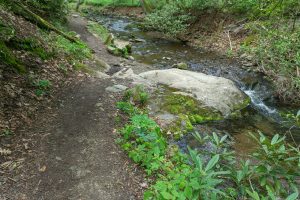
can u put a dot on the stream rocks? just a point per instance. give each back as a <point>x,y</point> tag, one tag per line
<point>220,94</point>
<point>120,48</point>
<point>181,65</point>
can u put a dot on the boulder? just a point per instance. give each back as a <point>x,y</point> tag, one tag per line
<point>216,93</point>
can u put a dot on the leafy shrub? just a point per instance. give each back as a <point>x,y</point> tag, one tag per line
<point>170,19</point>
<point>277,53</point>
<point>48,8</point>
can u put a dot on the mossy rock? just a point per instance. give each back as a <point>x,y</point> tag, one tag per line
<point>187,111</point>
<point>178,103</point>
<point>124,51</point>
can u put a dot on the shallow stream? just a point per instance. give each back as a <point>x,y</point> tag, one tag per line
<point>262,115</point>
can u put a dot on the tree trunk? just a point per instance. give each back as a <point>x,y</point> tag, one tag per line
<point>40,21</point>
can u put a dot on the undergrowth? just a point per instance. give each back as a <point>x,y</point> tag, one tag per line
<point>271,172</point>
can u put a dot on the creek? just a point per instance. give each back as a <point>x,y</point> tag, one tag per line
<point>262,115</point>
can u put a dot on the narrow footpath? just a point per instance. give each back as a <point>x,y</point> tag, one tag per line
<point>76,156</point>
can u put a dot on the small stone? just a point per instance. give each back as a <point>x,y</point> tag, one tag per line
<point>139,40</point>
<point>58,158</point>
<point>99,105</point>
<point>130,58</point>
<point>43,168</point>
<point>144,185</point>
<point>248,64</point>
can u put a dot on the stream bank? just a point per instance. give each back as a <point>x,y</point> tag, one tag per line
<point>153,49</point>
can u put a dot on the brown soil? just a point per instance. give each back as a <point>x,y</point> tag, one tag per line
<point>217,31</point>
<point>125,11</point>
<point>69,150</point>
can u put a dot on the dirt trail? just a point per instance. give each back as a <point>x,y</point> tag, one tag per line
<point>76,156</point>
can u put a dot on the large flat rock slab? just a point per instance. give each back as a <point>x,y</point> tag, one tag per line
<point>215,92</point>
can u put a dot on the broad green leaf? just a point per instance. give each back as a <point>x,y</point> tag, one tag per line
<point>270,193</point>
<point>216,138</point>
<point>166,195</point>
<point>298,113</point>
<point>293,196</point>
<point>223,138</point>
<point>253,194</point>
<point>212,162</point>
<point>275,139</point>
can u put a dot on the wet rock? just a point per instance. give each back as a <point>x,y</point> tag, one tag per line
<point>166,58</point>
<point>122,44</point>
<point>120,48</point>
<point>182,65</point>
<point>101,75</point>
<point>102,64</point>
<point>130,58</point>
<point>113,50</point>
<point>116,88</point>
<point>138,40</point>
<point>217,93</point>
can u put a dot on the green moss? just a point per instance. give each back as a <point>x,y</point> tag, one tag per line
<point>82,67</point>
<point>99,30</point>
<point>8,58</point>
<point>250,39</point>
<point>78,51</point>
<point>31,45</point>
<point>189,112</point>
<point>124,52</point>
<point>242,105</point>
<point>180,104</point>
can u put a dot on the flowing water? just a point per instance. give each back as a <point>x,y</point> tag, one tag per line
<point>263,113</point>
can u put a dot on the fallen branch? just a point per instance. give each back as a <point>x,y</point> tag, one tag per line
<point>40,21</point>
<point>228,35</point>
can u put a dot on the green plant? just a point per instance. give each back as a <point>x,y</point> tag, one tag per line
<point>77,51</point>
<point>113,2</point>
<point>6,133</point>
<point>31,45</point>
<point>278,164</point>
<point>42,87</point>
<point>271,172</point>
<point>99,30</point>
<point>137,95</point>
<point>170,19</point>
<point>144,142</point>
<point>127,108</point>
